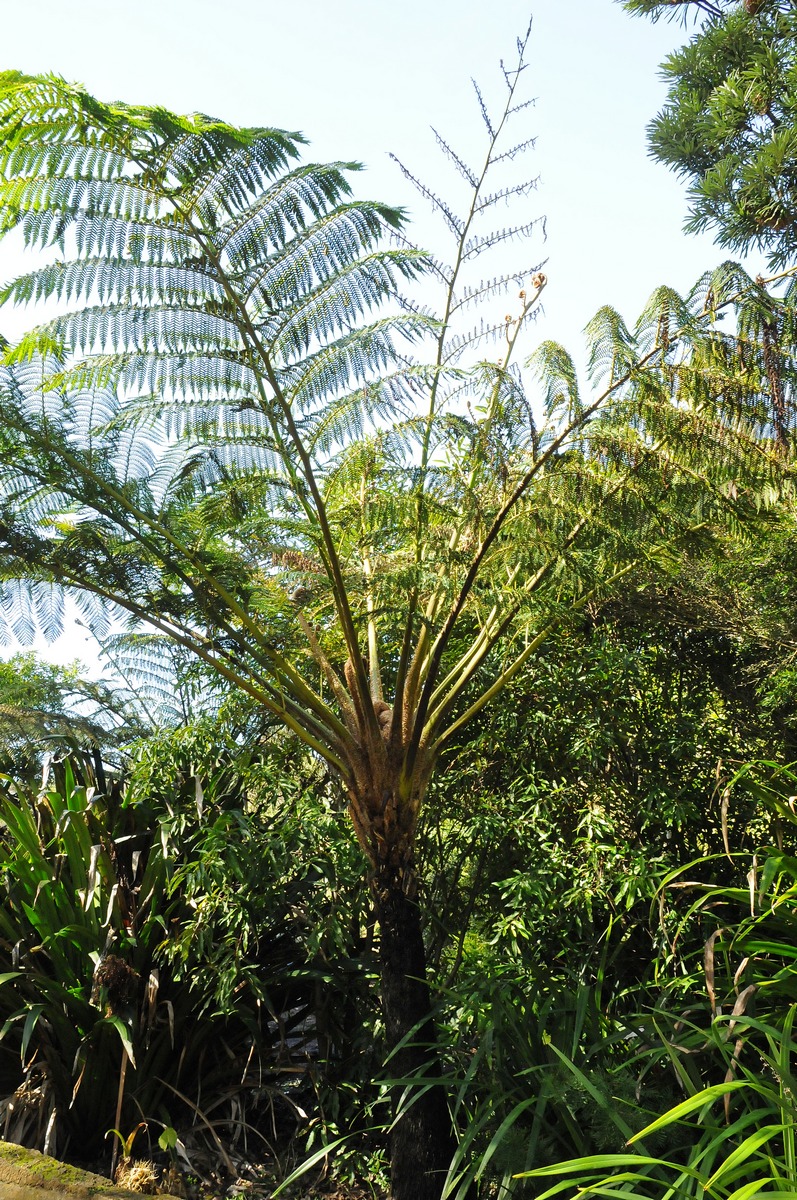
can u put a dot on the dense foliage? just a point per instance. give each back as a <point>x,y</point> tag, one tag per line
<point>166,955</point>
<point>431,858</point>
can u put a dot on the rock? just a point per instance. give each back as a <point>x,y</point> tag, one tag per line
<point>29,1175</point>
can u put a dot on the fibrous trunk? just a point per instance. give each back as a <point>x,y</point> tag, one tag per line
<point>422,1143</point>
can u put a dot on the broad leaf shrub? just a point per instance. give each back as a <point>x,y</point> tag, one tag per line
<point>544,912</point>
<point>724,1030</point>
<point>143,976</point>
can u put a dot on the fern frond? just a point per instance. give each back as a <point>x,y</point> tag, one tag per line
<point>352,359</point>
<point>663,320</point>
<point>483,109</point>
<point>557,373</point>
<point>481,243</point>
<point>440,206</point>
<point>612,348</point>
<point>353,415</point>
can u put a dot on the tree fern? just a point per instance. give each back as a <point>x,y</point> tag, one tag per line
<point>224,434</point>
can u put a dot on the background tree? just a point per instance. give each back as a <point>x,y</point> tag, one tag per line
<point>728,126</point>
<point>53,710</point>
<point>162,952</point>
<point>225,441</point>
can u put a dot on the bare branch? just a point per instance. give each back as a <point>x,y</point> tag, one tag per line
<point>483,108</point>
<point>454,223</point>
<point>464,170</point>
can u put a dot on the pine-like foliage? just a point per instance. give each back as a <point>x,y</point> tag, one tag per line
<point>681,9</point>
<point>729,126</point>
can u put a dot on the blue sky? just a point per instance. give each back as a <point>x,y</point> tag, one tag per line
<point>361,78</point>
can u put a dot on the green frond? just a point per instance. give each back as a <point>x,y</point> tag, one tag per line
<point>719,287</point>
<point>33,607</point>
<point>198,375</point>
<point>335,306</point>
<point>113,282</point>
<point>267,220</point>
<point>556,371</point>
<point>351,416</point>
<point>208,269</point>
<point>220,169</point>
<point>39,116</point>
<point>352,359</point>
<point>331,246</point>
<point>663,321</point>
<point>612,348</point>
<point>176,329</point>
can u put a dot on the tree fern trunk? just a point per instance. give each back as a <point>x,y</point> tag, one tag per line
<point>422,1142</point>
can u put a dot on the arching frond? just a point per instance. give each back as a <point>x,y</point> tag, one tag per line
<point>665,318</point>
<point>612,349</point>
<point>557,373</point>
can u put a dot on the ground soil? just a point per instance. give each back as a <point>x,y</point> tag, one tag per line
<point>29,1175</point>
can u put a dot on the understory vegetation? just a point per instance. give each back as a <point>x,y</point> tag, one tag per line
<point>190,953</point>
<point>433,832</point>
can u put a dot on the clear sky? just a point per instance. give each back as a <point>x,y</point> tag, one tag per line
<point>360,79</point>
